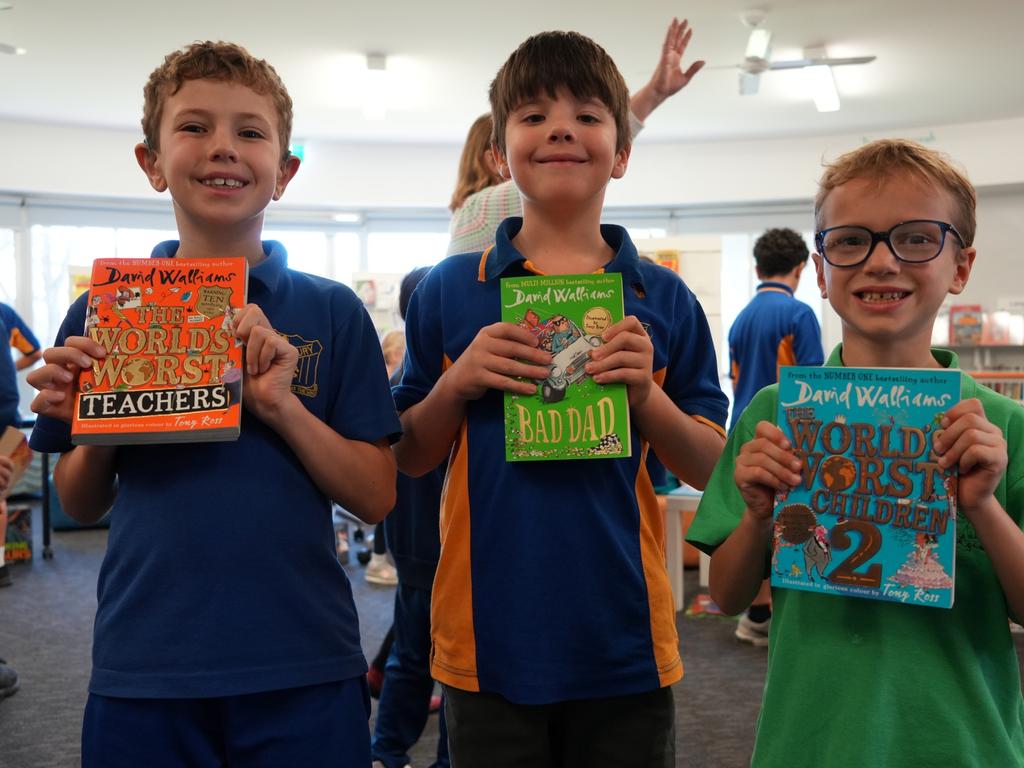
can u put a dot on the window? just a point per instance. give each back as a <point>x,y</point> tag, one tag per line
<point>401,252</point>
<point>8,267</point>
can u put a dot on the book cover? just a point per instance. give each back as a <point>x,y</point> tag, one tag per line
<point>14,445</point>
<point>173,370</point>
<point>569,416</point>
<point>965,321</point>
<point>18,545</point>
<point>874,516</point>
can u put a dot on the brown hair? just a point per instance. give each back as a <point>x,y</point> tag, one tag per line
<point>214,61</point>
<point>474,173</point>
<point>553,60</point>
<point>885,158</point>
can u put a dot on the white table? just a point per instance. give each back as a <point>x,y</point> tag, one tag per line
<point>678,501</point>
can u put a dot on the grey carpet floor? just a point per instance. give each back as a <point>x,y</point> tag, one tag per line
<point>45,633</point>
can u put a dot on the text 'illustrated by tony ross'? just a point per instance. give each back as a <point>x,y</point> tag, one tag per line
<point>874,516</point>
<point>569,416</point>
<point>173,368</point>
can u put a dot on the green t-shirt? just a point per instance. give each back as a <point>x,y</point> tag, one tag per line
<point>855,682</point>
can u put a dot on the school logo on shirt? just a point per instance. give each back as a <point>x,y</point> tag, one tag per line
<point>305,380</point>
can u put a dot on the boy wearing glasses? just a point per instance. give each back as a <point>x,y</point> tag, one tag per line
<point>855,682</point>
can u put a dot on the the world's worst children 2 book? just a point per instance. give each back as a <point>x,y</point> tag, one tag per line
<point>874,516</point>
<point>569,416</point>
<point>173,368</point>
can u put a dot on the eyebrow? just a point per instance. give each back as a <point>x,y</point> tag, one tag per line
<point>243,116</point>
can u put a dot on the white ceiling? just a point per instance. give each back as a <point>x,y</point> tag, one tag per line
<point>939,61</point>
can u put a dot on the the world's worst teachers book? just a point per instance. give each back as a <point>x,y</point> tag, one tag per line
<point>173,369</point>
<point>569,416</point>
<point>874,516</point>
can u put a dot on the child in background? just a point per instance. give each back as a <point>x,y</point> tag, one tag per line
<point>552,615</point>
<point>226,633</point>
<point>856,682</point>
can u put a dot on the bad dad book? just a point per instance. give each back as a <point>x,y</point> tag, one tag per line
<point>874,516</point>
<point>569,416</point>
<point>173,369</point>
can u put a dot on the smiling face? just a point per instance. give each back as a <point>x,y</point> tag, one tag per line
<point>220,156</point>
<point>887,306</point>
<point>562,150</point>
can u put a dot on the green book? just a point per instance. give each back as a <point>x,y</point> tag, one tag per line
<point>569,416</point>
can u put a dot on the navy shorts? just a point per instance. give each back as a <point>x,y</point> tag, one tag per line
<point>316,726</point>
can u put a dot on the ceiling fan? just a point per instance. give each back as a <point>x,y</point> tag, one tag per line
<point>756,59</point>
<point>5,47</point>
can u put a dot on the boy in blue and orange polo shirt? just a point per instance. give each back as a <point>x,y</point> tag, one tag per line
<point>552,616</point>
<point>226,633</point>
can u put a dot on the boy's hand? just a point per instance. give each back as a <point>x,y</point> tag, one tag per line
<point>6,470</point>
<point>766,464</point>
<point>58,378</point>
<point>495,359</point>
<point>977,448</point>
<point>269,363</point>
<point>627,355</point>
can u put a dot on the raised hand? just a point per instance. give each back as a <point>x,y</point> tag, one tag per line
<point>500,354</point>
<point>977,448</point>
<point>269,363</point>
<point>627,356</point>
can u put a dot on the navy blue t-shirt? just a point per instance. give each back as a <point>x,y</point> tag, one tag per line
<point>8,384</point>
<point>220,576</point>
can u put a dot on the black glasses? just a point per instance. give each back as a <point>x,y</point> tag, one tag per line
<point>914,242</point>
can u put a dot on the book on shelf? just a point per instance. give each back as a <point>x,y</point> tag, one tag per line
<point>569,416</point>
<point>874,516</point>
<point>1001,328</point>
<point>965,322</point>
<point>173,369</point>
<point>14,445</point>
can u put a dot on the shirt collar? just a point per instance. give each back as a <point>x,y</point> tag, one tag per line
<point>944,357</point>
<point>503,254</point>
<point>768,285</point>
<point>268,272</point>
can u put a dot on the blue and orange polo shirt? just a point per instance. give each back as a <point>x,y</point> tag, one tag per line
<point>773,330</point>
<point>552,583</point>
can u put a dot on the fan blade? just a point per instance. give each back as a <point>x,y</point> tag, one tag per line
<point>816,62</point>
<point>11,49</point>
<point>749,83</point>
<point>759,44</point>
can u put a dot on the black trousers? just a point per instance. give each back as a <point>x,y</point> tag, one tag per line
<point>488,731</point>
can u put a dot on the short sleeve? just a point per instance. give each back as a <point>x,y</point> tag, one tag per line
<point>53,435</point>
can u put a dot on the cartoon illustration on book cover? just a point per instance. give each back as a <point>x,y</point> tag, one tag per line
<point>875,516</point>
<point>173,367</point>
<point>570,416</point>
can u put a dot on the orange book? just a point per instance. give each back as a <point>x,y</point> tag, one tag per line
<point>173,370</point>
<point>14,445</point>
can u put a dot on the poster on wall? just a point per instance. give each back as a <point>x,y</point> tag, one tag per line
<point>379,293</point>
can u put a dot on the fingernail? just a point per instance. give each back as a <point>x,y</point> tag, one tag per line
<point>64,376</point>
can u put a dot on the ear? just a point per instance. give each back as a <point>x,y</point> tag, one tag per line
<point>962,269</point>
<point>149,162</point>
<point>621,161</point>
<point>819,269</point>
<point>500,161</point>
<point>289,167</point>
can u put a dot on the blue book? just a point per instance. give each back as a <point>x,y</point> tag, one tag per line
<point>874,515</point>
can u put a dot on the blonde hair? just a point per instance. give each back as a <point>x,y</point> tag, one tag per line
<point>207,60</point>
<point>393,347</point>
<point>885,158</point>
<point>474,172</point>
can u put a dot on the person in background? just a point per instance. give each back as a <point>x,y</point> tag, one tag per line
<point>21,338</point>
<point>773,330</point>
<point>379,570</point>
<point>414,540</point>
<point>869,674</point>
<point>483,197</point>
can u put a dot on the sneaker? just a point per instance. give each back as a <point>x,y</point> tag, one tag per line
<point>380,571</point>
<point>8,680</point>
<point>5,576</point>
<point>753,632</point>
